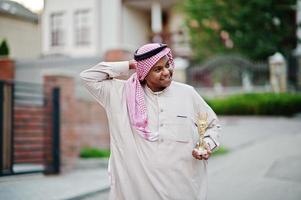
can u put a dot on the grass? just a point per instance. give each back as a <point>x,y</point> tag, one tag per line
<point>220,151</point>
<point>91,152</point>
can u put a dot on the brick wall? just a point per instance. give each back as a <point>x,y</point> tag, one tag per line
<point>7,69</point>
<point>69,140</point>
<point>117,55</point>
<point>82,124</point>
<point>92,125</point>
<point>29,138</point>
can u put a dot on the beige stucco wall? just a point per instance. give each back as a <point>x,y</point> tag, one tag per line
<point>135,27</point>
<point>23,37</point>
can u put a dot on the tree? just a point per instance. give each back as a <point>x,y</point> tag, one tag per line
<point>4,50</point>
<point>253,28</point>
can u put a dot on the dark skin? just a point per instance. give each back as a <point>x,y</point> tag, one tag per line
<point>202,157</point>
<point>160,77</point>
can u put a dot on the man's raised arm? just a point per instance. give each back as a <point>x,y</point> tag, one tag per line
<point>99,78</point>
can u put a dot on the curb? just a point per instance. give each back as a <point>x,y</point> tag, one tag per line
<point>91,163</point>
<point>89,194</point>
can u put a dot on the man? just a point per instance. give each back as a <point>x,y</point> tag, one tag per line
<point>153,132</point>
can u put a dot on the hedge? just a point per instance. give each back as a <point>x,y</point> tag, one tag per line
<point>90,152</point>
<point>285,104</point>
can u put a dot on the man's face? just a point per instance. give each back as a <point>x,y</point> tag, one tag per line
<point>160,75</point>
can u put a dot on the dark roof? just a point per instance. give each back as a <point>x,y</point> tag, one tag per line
<point>15,9</point>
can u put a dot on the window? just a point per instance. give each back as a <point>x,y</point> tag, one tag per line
<point>82,27</point>
<point>56,28</point>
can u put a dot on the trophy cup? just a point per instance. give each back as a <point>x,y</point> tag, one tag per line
<point>202,123</point>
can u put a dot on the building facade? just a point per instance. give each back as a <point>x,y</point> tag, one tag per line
<point>91,28</point>
<point>21,29</point>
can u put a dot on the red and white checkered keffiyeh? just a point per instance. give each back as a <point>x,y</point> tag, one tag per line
<point>135,93</point>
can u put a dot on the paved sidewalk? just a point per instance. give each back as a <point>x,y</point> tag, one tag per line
<point>264,162</point>
<point>74,185</point>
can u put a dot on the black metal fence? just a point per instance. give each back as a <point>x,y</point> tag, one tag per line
<point>29,129</point>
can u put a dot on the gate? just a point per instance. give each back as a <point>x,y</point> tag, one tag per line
<point>29,129</point>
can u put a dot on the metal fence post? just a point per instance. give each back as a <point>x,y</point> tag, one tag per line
<point>1,126</point>
<point>56,129</point>
<point>6,140</point>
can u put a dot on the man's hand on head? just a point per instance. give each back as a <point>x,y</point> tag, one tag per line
<point>132,64</point>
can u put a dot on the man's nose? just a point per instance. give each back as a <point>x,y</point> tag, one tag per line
<point>166,71</point>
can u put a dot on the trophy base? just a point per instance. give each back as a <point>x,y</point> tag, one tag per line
<point>201,152</point>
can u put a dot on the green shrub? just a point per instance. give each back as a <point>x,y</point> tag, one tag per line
<point>90,152</point>
<point>220,151</point>
<point>4,50</point>
<point>257,104</point>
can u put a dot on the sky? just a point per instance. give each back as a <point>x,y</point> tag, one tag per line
<point>33,5</point>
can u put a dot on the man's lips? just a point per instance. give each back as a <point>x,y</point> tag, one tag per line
<point>166,79</point>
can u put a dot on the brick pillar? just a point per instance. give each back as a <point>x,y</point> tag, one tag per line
<point>117,55</point>
<point>7,69</point>
<point>69,138</point>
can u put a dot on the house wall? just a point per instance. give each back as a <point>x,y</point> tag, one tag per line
<point>135,27</point>
<point>23,37</point>
<point>113,25</point>
<point>68,8</point>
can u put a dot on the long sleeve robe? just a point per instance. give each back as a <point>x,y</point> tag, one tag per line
<point>160,170</point>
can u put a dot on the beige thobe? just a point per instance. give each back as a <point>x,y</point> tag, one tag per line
<point>160,170</point>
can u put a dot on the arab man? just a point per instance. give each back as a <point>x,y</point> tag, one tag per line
<point>153,123</point>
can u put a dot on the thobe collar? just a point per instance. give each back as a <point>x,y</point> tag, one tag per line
<point>149,91</point>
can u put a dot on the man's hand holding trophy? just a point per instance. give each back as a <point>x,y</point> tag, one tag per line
<point>202,150</point>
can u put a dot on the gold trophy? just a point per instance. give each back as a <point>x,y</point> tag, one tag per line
<point>202,123</point>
